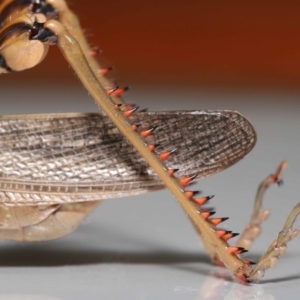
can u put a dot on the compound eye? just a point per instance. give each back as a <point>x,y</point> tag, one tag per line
<point>22,53</point>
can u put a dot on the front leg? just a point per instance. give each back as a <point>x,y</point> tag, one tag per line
<point>253,229</point>
<point>278,247</point>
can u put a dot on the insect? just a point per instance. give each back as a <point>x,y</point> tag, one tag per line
<point>54,169</point>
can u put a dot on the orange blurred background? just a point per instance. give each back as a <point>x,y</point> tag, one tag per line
<point>208,43</point>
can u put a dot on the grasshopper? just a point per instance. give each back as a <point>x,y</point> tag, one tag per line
<point>55,169</point>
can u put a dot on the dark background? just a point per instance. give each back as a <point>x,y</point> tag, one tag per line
<point>189,43</point>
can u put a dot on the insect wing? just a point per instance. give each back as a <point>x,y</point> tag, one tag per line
<point>63,158</point>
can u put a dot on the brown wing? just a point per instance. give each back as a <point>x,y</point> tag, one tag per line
<point>62,158</point>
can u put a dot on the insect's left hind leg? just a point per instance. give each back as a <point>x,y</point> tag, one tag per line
<point>253,229</point>
<point>215,239</point>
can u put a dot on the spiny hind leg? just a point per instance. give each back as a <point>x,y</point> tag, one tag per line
<point>253,229</point>
<point>247,273</point>
<point>54,224</point>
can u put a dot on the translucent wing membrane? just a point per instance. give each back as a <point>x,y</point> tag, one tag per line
<point>61,158</point>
